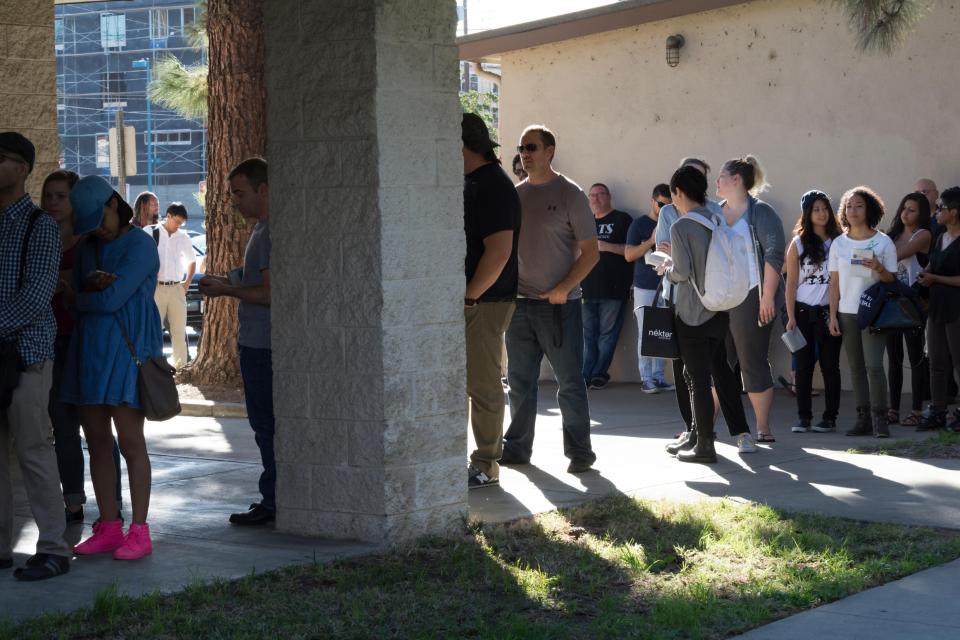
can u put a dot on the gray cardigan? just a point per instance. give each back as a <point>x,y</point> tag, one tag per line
<point>689,242</point>
<point>773,243</point>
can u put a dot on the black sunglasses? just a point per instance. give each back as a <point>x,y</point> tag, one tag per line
<point>530,147</point>
<point>661,205</point>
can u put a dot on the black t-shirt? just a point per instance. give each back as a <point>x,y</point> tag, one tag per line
<point>490,205</point>
<point>944,299</point>
<point>613,275</point>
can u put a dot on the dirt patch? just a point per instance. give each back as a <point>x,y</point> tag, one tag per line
<point>215,393</point>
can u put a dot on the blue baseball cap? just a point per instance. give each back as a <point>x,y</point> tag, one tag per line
<point>810,197</point>
<point>88,197</point>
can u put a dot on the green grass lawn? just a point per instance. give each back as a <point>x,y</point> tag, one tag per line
<point>945,444</point>
<point>613,568</point>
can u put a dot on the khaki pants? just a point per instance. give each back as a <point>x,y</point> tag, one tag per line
<point>26,425</point>
<point>171,302</point>
<point>486,323</point>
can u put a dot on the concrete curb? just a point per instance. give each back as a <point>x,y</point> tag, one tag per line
<point>211,409</point>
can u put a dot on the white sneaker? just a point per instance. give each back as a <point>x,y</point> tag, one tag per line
<point>745,443</point>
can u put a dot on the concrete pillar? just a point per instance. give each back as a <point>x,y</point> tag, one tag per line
<point>367,267</point>
<point>28,81</point>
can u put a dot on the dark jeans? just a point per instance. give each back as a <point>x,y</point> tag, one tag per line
<point>919,368</point>
<point>602,322</point>
<point>698,348</point>
<point>823,348</point>
<point>727,384</point>
<point>943,345</point>
<point>256,369</point>
<point>537,329</point>
<point>66,436</point>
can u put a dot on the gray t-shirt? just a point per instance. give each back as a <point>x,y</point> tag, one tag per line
<point>255,318</point>
<point>556,217</point>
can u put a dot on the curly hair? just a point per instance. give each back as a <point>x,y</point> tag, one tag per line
<point>875,206</point>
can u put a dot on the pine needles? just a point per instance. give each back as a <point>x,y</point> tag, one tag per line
<point>882,25</point>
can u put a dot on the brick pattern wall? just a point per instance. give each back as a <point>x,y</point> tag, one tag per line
<point>367,273</point>
<point>28,81</point>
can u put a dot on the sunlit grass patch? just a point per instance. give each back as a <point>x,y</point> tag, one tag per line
<point>944,444</point>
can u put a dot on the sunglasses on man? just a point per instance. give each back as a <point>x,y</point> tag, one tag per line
<point>530,147</point>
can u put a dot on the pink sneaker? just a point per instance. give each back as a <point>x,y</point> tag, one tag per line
<point>137,543</point>
<point>107,536</point>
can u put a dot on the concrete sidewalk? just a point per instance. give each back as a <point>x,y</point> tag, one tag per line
<point>204,468</point>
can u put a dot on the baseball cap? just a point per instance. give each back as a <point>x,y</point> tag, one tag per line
<point>807,199</point>
<point>88,197</point>
<point>475,135</point>
<point>17,146</point>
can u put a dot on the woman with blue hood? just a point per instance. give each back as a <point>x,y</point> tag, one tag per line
<point>115,276</point>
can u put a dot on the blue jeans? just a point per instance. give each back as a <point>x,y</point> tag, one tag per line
<point>256,369</point>
<point>651,369</point>
<point>602,321</point>
<point>539,328</point>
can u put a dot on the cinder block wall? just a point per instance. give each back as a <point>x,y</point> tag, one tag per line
<point>28,81</point>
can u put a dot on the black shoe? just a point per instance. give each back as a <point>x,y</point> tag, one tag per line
<point>477,478</point>
<point>825,426</point>
<point>881,429</point>
<point>73,517</point>
<point>703,452</point>
<point>43,566</point>
<point>863,426</point>
<point>597,383</point>
<point>257,515</point>
<point>685,442</point>
<point>802,426</point>
<point>6,563</point>
<point>579,466</point>
<point>508,457</point>
<point>935,421</point>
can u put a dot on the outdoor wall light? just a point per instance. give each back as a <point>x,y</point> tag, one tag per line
<point>674,44</point>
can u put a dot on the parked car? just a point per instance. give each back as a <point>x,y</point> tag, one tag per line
<point>195,302</point>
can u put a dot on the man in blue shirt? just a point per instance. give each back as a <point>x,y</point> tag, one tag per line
<point>29,271</point>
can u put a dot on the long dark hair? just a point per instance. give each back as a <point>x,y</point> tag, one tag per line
<point>813,247</point>
<point>923,221</point>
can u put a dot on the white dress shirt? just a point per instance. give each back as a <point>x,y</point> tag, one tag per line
<point>176,253</point>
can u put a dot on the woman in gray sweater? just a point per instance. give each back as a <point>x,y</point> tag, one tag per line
<point>700,332</point>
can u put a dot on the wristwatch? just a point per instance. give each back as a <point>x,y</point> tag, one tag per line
<point>469,302</point>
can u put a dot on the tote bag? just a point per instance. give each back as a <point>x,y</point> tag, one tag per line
<point>658,338</point>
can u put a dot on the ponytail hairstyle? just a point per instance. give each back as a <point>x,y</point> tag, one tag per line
<point>923,218</point>
<point>749,169</point>
<point>812,244</point>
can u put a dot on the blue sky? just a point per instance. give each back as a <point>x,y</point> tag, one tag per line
<point>493,14</point>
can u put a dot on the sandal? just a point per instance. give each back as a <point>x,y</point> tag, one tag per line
<point>765,437</point>
<point>893,417</point>
<point>912,420</point>
<point>43,566</point>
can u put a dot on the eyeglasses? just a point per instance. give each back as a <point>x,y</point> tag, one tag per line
<point>530,147</point>
<point>661,205</point>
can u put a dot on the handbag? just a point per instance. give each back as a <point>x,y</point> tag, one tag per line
<point>159,398</point>
<point>11,365</point>
<point>898,313</point>
<point>658,337</point>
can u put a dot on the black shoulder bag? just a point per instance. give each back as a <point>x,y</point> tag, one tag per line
<point>159,398</point>
<point>11,366</point>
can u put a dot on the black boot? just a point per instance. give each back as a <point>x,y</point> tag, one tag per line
<point>934,421</point>
<point>684,443</point>
<point>702,451</point>
<point>880,427</point>
<point>863,426</point>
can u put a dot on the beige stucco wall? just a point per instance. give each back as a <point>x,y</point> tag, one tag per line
<point>778,78</point>
<point>28,80</point>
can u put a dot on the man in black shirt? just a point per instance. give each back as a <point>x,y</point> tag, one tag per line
<point>491,220</point>
<point>605,289</point>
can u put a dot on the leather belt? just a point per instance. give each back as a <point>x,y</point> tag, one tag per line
<point>169,283</point>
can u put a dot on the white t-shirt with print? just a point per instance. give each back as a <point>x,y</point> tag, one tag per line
<point>852,282</point>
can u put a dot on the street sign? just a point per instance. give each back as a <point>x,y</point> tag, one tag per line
<point>129,152</point>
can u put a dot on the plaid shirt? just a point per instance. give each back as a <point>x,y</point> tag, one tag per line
<point>26,314</point>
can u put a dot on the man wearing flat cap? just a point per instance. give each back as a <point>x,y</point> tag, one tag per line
<point>29,271</point>
<point>491,220</point>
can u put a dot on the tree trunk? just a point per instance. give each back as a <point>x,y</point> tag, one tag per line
<point>237,129</point>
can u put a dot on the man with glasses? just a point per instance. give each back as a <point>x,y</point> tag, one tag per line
<point>641,238</point>
<point>928,188</point>
<point>178,263</point>
<point>605,289</point>
<point>557,249</point>
<point>29,272</point>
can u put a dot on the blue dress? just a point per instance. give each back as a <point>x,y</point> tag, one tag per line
<point>99,368</point>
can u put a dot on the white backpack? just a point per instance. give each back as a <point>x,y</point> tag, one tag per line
<point>726,282</point>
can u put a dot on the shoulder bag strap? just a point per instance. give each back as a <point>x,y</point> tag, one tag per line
<point>126,338</point>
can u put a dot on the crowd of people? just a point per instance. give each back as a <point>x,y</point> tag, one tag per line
<point>559,290</point>
<point>86,285</point>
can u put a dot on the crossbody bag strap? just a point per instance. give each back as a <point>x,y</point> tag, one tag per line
<point>126,338</point>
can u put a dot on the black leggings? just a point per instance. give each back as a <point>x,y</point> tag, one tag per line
<point>823,348</point>
<point>919,368</point>
<point>699,347</point>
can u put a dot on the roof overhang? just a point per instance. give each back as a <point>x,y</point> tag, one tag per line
<point>488,45</point>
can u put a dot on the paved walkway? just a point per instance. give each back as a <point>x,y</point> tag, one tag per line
<point>204,468</point>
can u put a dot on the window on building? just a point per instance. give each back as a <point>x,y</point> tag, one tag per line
<point>168,138</point>
<point>474,82</point>
<point>189,16</point>
<point>113,30</point>
<point>159,24</point>
<point>114,89</point>
<point>58,34</point>
<point>103,151</point>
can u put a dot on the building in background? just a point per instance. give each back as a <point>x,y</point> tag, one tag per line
<point>106,53</point>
